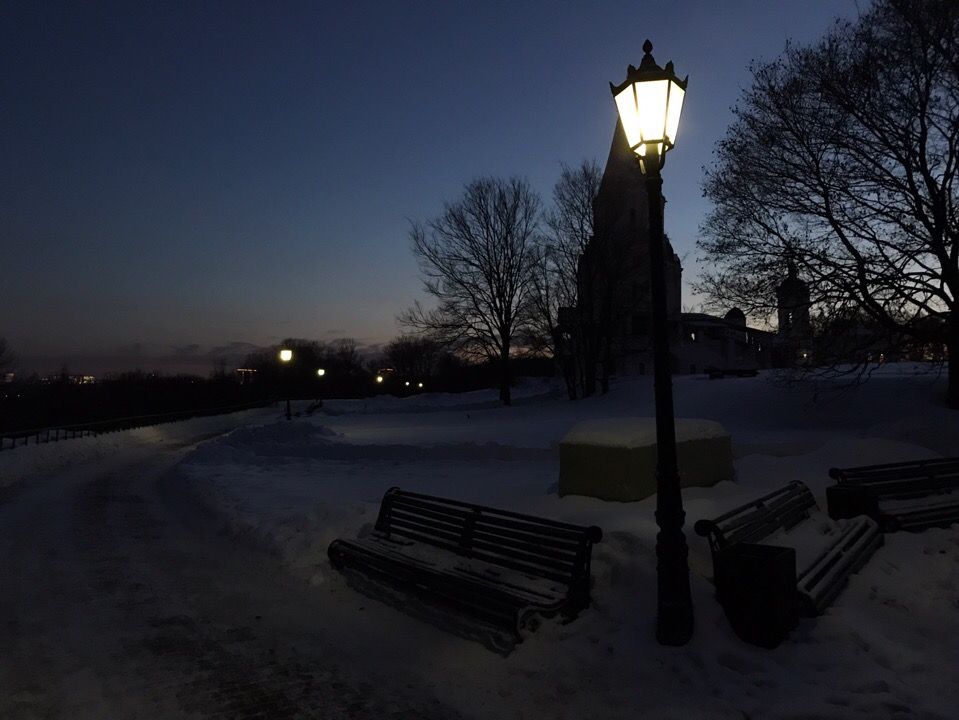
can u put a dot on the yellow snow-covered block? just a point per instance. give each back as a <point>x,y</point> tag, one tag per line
<point>615,458</point>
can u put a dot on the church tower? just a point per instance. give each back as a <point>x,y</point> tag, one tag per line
<point>614,274</point>
<point>792,302</point>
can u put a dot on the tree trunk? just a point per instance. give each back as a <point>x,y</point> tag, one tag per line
<point>504,389</point>
<point>952,394</point>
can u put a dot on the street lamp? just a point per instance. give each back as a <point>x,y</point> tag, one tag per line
<point>650,101</point>
<point>320,373</point>
<point>286,357</point>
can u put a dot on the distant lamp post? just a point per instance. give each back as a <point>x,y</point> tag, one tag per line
<point>407,383</point>
<point>419,385</point>
<point>286,357</point>
<point>379,379</point>
<point>649,103</point>
<point>320,374</point>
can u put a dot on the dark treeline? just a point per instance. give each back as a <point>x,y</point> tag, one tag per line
<point>407,367</point>
<point>34,404</point>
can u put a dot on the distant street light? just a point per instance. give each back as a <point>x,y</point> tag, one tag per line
<point>320,372</point>
<point>286,357</point>
<point>379,378</point>
<point>419,385</point>
<point>649,103</point>
<point>407,383</point>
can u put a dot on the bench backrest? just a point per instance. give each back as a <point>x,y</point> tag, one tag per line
<point>905,479</point>
<point>757,520</point>
<point>537,546</point>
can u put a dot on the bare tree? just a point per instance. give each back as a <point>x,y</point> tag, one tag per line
<point>556,273</point>
<point>843,157</point>
<point>475,260</point>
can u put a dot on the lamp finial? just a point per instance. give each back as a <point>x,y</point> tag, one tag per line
<point>647,47</point>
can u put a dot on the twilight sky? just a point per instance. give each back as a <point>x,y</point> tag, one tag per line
<point>182,180</point>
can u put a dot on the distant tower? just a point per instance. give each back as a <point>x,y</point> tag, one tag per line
<point>735,315</point>
<point>792,302</point>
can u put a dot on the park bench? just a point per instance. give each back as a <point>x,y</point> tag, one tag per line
<point>826,552</point>
<point>899,496</point>
<point>490,573</point>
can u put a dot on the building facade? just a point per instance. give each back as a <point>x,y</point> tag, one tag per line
<point>612,319</point>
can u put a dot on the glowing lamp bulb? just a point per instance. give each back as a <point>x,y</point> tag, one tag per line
<point>320,372</point>
<point>286,355</point>
<point>379,378</point>
<point>407,383</point>
<point>419,385</point>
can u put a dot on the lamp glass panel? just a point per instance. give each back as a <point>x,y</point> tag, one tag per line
<point>676,96</point>
<point>651,98</point>
<point>626,104</point>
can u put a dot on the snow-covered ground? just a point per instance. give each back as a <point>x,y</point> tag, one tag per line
<point>886,648</point>
<point>22,463</point>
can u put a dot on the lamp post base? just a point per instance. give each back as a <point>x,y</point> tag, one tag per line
<point>674,606</point>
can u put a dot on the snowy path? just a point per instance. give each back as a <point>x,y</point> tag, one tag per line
<point>118,600</point>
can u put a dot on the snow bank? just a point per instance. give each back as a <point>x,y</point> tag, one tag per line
<point>26,462</point>
<point>886,648</point>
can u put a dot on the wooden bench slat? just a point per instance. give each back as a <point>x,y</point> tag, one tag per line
<point>936,463</point>
<point>492,590</point>
<point>522,567</point>
<point>424,534</point>
<point>512,582</point>
<point>873,489</point>
<point>491,607</point>
<point>534,544</point>
<point>426,522</point>
<point>494,512</point>
<point>565,566</point>
<point>782,510</point>
<point>518,540</point>
<point>533,528</point>
<point>822,580</point>
<point>495,565</point>
<point>431,510</point>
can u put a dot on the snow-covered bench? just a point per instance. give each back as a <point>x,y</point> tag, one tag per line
<point>827,552</point>
<point>899,496</point>
<point>490,572</point>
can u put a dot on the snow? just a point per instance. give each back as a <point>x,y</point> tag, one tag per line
<point>634,432</point>
<point>885,648</point>
<point>25,461</point>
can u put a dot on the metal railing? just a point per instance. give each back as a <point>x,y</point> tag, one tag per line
<point>10,440</point>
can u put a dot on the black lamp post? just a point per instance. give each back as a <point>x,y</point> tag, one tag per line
<point>320,374</point>
<point>286,356</point>
<point>650,101</point>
